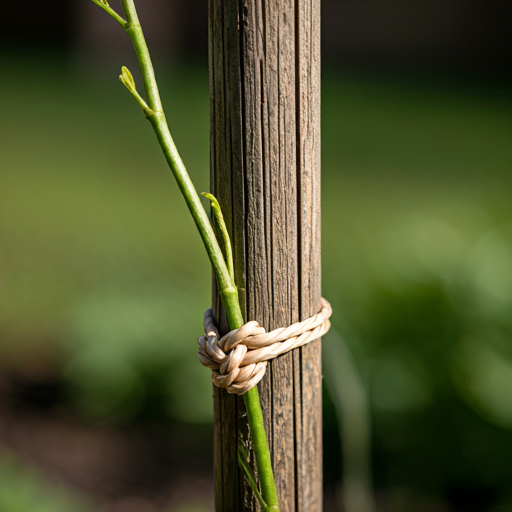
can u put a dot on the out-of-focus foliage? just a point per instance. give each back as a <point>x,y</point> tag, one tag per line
<point>133,354</point>
<point>101,264</point>
<point>25,489</point>
<point>419,270</point>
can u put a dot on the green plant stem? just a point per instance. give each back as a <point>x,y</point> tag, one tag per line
<point>157,119</point>
<point>261,451</point>
<point>228,291</point>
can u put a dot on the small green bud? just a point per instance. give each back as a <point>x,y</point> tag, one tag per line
<point>127,78</point>
<point>213,202</point>
<point>228,253</point>
<point>104,2</point>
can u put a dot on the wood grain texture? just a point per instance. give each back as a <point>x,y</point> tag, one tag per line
<point>264,60</point>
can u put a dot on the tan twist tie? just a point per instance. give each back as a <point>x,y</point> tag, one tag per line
<point>238,360</point>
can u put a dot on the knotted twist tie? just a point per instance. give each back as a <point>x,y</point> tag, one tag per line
<point>238,360</point>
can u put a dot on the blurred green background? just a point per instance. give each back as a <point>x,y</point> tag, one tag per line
<point>103,281</point>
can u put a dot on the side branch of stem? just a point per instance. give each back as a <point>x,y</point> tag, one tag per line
<point>111,11</point>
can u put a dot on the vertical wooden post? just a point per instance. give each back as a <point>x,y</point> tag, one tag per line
<point>264,60</point>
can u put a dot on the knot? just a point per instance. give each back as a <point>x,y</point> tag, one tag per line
<point>238,360</point>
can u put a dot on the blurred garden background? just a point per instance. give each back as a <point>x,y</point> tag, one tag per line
<point>103,280</point>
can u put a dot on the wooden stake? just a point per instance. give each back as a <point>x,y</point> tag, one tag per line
<point>264,61</point>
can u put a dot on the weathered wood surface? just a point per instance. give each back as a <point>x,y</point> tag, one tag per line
<point>264,60</point>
